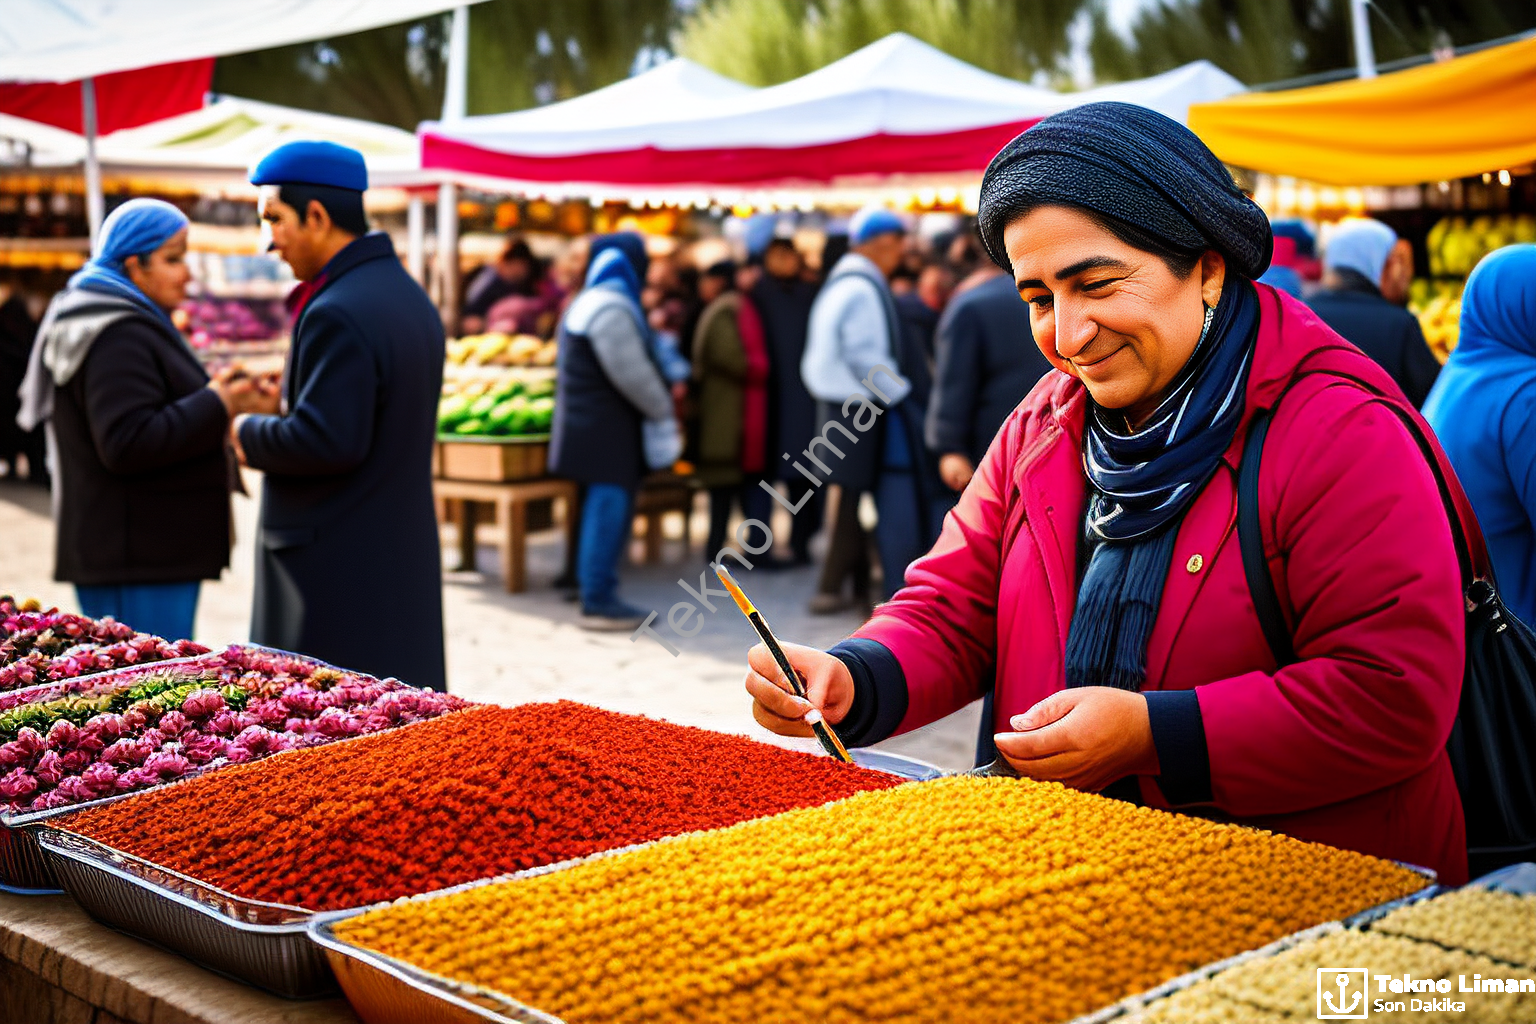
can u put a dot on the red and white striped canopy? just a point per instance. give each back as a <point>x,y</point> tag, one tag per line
<point>896,107</point>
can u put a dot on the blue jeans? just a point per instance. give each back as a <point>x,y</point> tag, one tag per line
<point>163,609</point>
<point>606,516</point>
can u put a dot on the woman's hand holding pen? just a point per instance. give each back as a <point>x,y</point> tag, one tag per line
<point>827,681</point>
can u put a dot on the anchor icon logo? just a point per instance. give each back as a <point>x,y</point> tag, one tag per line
<point>1343,993</point>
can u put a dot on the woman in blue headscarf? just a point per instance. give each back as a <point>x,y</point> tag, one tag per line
<point>1483,407</point>
<point>137,429</point>
<point>614,422</point>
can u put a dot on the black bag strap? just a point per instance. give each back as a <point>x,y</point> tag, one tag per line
<point>1261,586</point>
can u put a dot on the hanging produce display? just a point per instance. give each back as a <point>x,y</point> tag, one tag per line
<point>1012,899</point>
<point>473,795</point>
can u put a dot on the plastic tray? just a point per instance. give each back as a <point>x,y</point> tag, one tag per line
<point>264,944</point>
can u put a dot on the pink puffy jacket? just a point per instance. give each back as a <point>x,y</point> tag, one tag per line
<point>1344,747</point>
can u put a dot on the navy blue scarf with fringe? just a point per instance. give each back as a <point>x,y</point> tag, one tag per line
<point>1142,483</point>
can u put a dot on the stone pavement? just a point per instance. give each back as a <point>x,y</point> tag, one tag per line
<point>513,648</point>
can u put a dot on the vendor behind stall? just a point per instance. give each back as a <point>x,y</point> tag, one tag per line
<point>1092,564</point>
<point>347,565</point>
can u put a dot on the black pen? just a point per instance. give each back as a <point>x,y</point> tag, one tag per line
<point>819,726</point>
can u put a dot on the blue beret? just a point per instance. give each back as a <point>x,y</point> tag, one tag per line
<point>872,221</point>
<point>312,163</point>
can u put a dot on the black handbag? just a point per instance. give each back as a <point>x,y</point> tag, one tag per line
<point>1492,745</point>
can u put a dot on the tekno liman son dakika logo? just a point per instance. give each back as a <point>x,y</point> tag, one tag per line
<point>1343,993</point>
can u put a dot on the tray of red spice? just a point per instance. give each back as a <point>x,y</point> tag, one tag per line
<point>480,794</point>
<point>148,725</point>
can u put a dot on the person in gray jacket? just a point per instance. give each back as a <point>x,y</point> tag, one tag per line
<point>614,421</point>
<point>857,345</point>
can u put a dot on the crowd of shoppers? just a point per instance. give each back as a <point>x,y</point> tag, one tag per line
<point>756,359</point>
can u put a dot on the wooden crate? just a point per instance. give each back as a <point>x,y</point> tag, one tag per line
<point>494,461</point>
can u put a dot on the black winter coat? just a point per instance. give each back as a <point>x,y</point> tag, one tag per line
<point>348,566</point>
<point>785,309</point>
<point>1387,333</point>
<point>987,361</point>
<point>143,479</point>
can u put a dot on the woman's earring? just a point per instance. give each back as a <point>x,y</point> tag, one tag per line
<point>1210,314</point>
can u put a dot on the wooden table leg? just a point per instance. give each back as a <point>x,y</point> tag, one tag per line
<point>652,538</point>
<point>514,552</point>
<point>466,523</point>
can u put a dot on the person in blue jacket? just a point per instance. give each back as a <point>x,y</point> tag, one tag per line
<point>1483,409</point>
<point>348,568</point>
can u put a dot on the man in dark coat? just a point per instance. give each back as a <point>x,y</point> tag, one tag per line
<point>1367,269</point>
<point>348,567</point>
<point>987,363</point>
<point>783,300</point>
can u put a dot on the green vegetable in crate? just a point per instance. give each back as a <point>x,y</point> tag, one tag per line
<point>471,426</point>
<point>508,388</point>
<point>543,387</point>
<point>541,414</point>
<point>451,412</point>
<point>481,407</point>
<point>510,416</point>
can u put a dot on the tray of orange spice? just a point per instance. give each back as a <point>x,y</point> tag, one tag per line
<point>885,905</point>
<point>229,870</point>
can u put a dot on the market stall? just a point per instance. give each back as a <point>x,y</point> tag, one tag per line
<point>199,161</point>
<point>436,859</point>
<point>1442,153</point>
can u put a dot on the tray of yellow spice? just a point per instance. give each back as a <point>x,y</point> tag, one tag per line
<point>1459,941</point>
<point>958,899</point>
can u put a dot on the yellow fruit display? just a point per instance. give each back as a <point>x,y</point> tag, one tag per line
<point>497,349</point>
<point>962,899</point>
<point>1456,245</point>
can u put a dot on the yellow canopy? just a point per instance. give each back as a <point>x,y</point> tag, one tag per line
<point>1430,123</point>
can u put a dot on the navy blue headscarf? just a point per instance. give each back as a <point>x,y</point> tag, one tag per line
<point>1153,180</point>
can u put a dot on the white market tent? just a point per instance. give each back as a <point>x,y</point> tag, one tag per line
<point>65,40</point>
<point>897,110</point>
<point>69,40</point>
<point>1171,92</point>
<point>221,140</point>
<point>895,103</point>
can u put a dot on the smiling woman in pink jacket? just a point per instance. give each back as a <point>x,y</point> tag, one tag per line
<point>1092,568</point>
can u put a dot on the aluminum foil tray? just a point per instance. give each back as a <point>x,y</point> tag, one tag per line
<point>92,685</point>
<point>262,944</point>
<point>1519,879</point>
<point>23,868</point>
<point>1142,999</point>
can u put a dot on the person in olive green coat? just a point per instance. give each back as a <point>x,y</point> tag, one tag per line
<point>730,371</point>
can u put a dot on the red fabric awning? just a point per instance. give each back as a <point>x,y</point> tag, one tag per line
<point>124,99</point>
<point>963,151</point>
